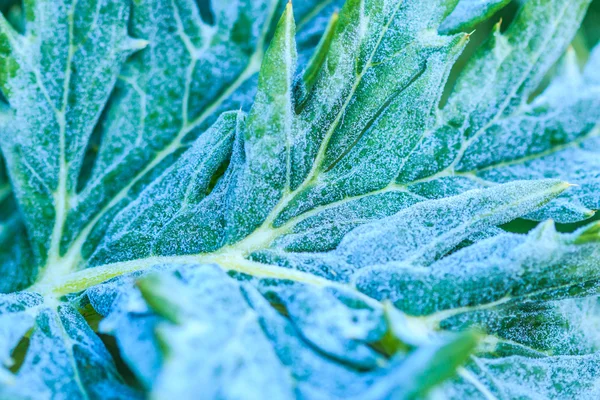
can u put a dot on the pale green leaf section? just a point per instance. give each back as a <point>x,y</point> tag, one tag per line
<point>507,268</point>
<point>490,133</point>
<point>469,13</point>
<point>64,357</point>
<point>502,286</point>
<point>351,322</point>
<point>265,175</point>
<point>262,352</point>
<point>213,314</point>
<point>426,231</point>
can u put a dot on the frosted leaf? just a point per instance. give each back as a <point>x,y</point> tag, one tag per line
<point>57,80</point>
<point>509,68</point>
<point>15,322</point>
<point>17,263</point>
<point>65,359</point>
<point>468,13</point>
<point>205,309</point>
<point>350,323</point>
<point>152,224</point>
<point>275,232</point>
<point>489,133</point>
<point>323,229</point>
<point>591,70</point>
<point>424,232</point>
<point>211,315</point>
<point>375,146</point>
<point>508,268</point>
<point>256,192</point>
<point>326,265</point>
<point>536,329</point>
<point>551,131</point>
<point>129,320</point>
<point>562,377</point>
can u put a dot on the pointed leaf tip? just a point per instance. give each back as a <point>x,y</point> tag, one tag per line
<point>156,290</point>
<point>132,44</point>
<point>589,233</point>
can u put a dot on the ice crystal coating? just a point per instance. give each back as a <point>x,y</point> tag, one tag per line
<point>264,200</point>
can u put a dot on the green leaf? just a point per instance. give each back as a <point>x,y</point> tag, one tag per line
<point>506,268</point>
<point>468,13</point>
<point>529,378</point>
<point>424,232</point>
<point>484,120</point>
<point>64,356</point>
<point>240,216</point>
<point>57,79</point>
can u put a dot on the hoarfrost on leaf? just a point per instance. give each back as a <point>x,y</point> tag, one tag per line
<point>247,200</point>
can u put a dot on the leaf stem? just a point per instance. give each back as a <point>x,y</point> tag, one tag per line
<point>228,260</point>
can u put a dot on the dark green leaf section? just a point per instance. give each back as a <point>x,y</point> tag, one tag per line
<point>165,92</point>
<point>175,202</point>
<point>18,268</point>
<point>265,175</point>
<point>17,263</point>
<point>172,91</point>
<point>57,79</point>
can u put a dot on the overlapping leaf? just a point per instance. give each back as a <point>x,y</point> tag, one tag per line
<point>261,351</point>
